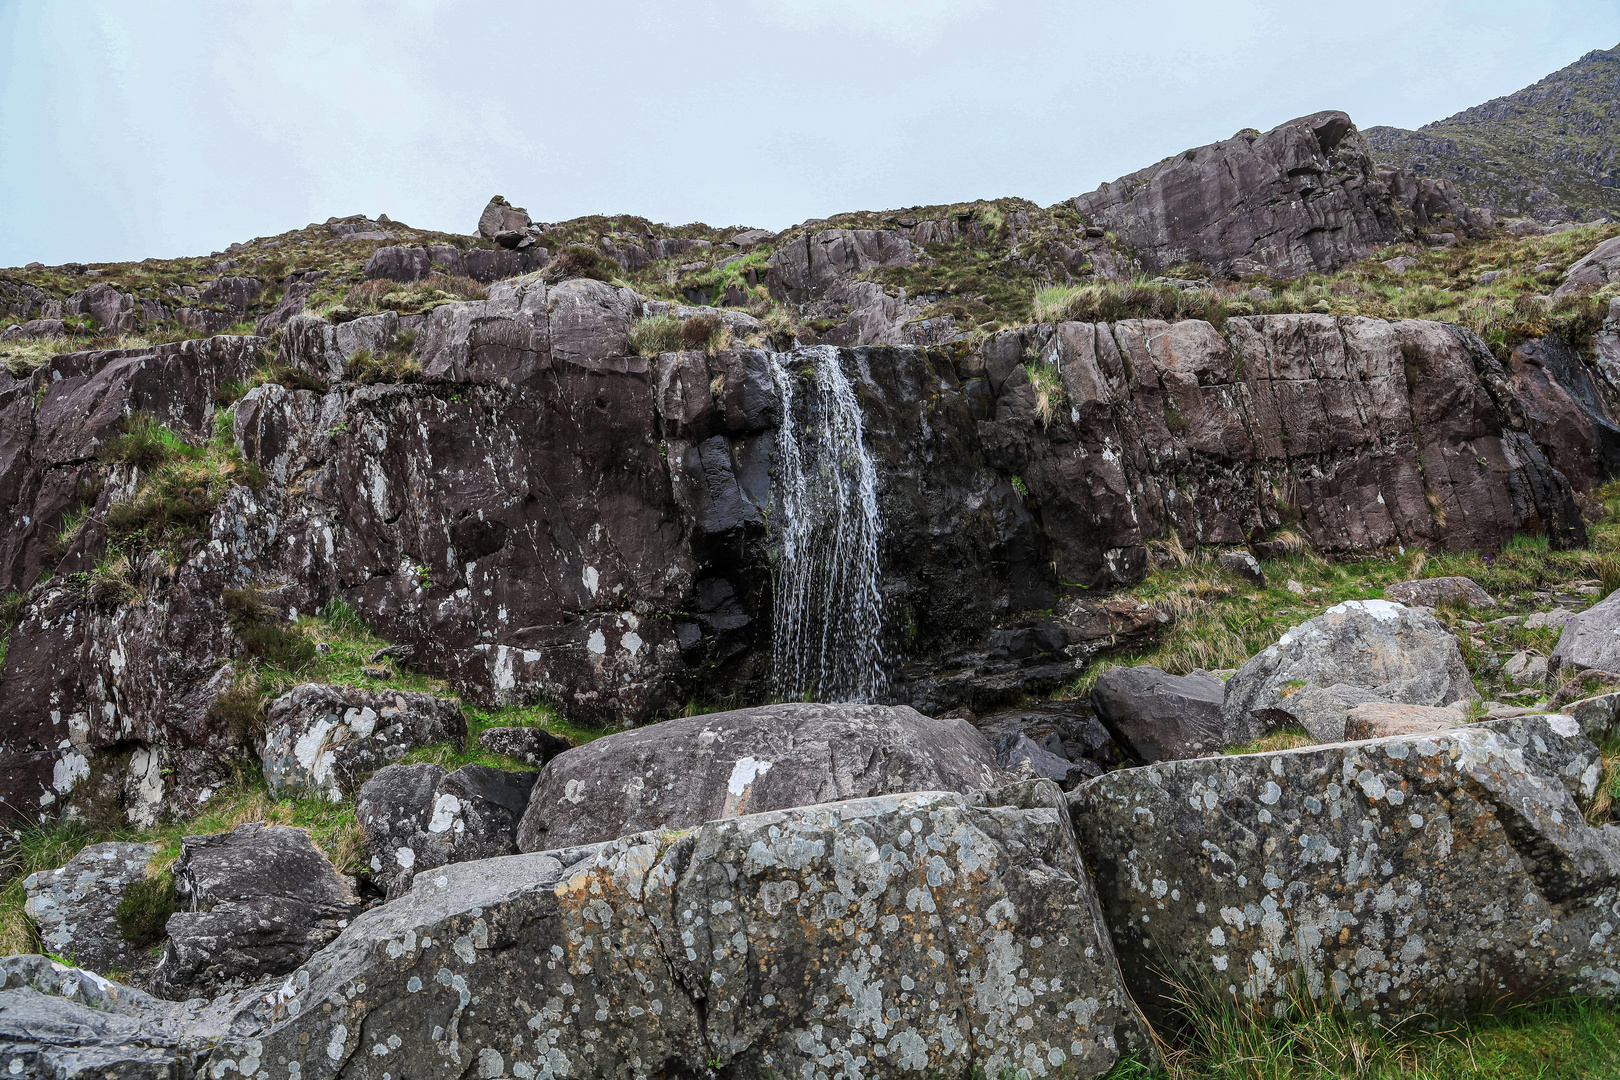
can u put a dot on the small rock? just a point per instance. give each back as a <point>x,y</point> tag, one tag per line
<point>1508,620</point>
<point>1401,263</point>
<point>1243,565</point>
<point>1377,719</point>
<point>1156,716</point>
<point>76,907</point>
<point>530,745</point>
<point>376,672</point>
<point>1432,592</point>
<point>1294,587</point>
<point>398,652</point>
<point>1490,276</point>
<point>1548,620</point>
<point>1525,669</point>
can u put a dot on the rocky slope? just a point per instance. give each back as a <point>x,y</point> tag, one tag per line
<point>1548,151</point>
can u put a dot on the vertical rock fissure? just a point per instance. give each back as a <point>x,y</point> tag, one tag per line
<point>827,616</point>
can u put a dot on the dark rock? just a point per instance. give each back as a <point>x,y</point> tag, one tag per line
<point>233,292</point>
<point>532,746</point>
<point>418,818</point>
<point>1564,411</point>
<point>1156,716</point>
<point>1243,565</point>
<point>322,741</point>
<point>113,311</point>
<point>1432,592</point>
<point>75,908</point>
<point>808,266</point>
<point>1024,758</point>
<point>682,772</point>
<point>256,902</point>
<point>1405,876</point>
<point>1067,728</point>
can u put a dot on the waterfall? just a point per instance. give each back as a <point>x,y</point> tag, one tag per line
<point>825,637</point>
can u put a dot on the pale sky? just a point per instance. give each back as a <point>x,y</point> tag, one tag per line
<point>130,130</point>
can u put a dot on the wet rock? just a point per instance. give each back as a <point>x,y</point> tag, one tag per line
<point>1243,565</point>
<point>716,951</point>
<point>1595,269</point>
<point>1340,871</point>
<point>322,740</point>
<point>682,772</point>
<point>1432,592</point>
<point>532,746</point>
<point>419,817</point>
<point>1590,639</point>
<point>1400,654</point>
<point>1375,720</point>
<point>1156,716</point>
<point>255,902</point>
<point>75,908</point>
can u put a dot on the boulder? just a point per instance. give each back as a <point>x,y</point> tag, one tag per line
<point>1590,639</point>
<point>322,740</point>
<point>419,817</point>
<point>1399,654</point>
<point>1243,565</point>
<point>501,216</point>
<point>1411,875</point>
<point>683,772</point>
<point>530,745</point>
<point>1548,620</point>
<point>1022,757</point>
<point>235,293</point>
<point>255,902</point>
<point>1067,727</point>
<point>1432,592</point>
<point>75,908</point>
<point>1595,269</point>
<point>1377,719</point>
<point>1156,716</point>
<point>1321,710</point>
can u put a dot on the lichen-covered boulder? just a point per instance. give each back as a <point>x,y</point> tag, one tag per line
<point>420,817</point>
<point>75,907</point>
<point>1418,873</point>
<point>922,934</point>
<point>1396,653</point>
<point>684,772</point>
<point>322,740</point>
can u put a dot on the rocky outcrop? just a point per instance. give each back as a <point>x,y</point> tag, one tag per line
<point>1397,654</point>
<point>1304,197</point>
<point>681,773</point>
<point>323,741</point>
<point>417,818</point>
<point>75,908</point>
<point>416,263</point>
<point>255,902</point>
<point>1160,717</point>
<point>1415,874</point>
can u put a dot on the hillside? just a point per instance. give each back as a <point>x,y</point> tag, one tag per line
<point>1550,151</point>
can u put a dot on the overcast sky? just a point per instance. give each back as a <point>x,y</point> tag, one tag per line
<point>130,130</point>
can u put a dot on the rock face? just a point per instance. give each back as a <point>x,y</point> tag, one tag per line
<point>417,818</point>
<point>1590,640</point>
<point>1397,654</point>
<point>1432,592</point>
<point>1341,871</point>
<point>1160,717</point>
<point>257,902</point>
<point>1303,197</point>
<point>901,935</point>
<point>323,740</point>
<point>75,908</point>
<point>681,773</point>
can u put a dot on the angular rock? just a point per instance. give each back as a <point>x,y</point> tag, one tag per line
<point>322,740</point>
<point>532,746</point>
<point>1525,669</point>
<point>1590,639</point>
<point>1022,757</point>
<point>1407,875</point>
<point>1321,711</point>
<point>75,908</point>
<point>1156,716</point>
<point>680,773</point>
<point>1242,564</point>
<point>419,817</point>
<point>1069,728</point>
<point>1432,592</point>
<point>1400,654</point>
<point>1548,620</point>
<point>1595,269</point>
<point>1376,719</point>
<point>501,216</point>
<point>256,902</point>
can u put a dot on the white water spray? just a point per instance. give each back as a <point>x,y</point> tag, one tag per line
<point>828,621</point>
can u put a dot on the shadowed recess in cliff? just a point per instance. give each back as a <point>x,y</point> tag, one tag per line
<point>828,613</point>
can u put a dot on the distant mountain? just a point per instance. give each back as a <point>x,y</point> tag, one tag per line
<point>1550,151</point>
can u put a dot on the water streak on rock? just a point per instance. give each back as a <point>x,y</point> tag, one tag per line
<point>828,610</point>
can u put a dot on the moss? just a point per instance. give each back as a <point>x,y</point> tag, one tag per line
<point>260,629</point>
<point>143,913</point>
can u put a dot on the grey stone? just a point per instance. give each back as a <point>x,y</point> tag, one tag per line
<point>1401,263</point>
<point>680,773</point>
<point>532,746</point>
<point>255,902</point>
<point>1022,757</point>
<point>1407,875</point>
<point>1400,654</point>
<point>1377,719</point>
<point>322,740</point>
<point>501,216</point>
<point>1156,716</point>
<point>1590,639</point>
<point>1548,620</point>
<point>1321,711</point>
<point>1432,592</point>
<point>235,293</point>
<point>75,908</point>
<point>1525,669</point>
<point>1242,564</point>
<point>419,817</point>
<point>1595,269</point>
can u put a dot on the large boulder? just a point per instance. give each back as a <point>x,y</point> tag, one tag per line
<point>323,740</point>
<point>1595,269</point>
<point>257,902</point>
<point>1419,874</point>
<point>1590,640</point>
<point>1156,716</point>
<point>417,818</point>
<point>500,216</point>
<point>75,908</point>
<point>681,773</point>
<point>1432,592</point>
<point>1396,653</point>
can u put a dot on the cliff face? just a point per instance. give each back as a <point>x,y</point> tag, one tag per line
<point>1548,151</point>
<point>543,514</point>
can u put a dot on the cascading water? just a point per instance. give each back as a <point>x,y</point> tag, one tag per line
<point>825,640</point>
